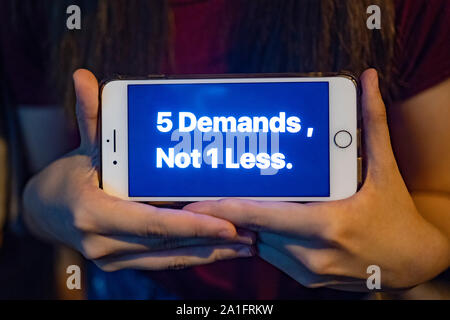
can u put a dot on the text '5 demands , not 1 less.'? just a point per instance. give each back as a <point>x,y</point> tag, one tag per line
<point>188,122</point>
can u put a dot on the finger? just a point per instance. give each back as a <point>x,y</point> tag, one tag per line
<point>86,90</point>
<point>175,259</point>
<point>95,246</point>
<point>289,266</point>
<point>279,217</point>
<point>376,133</point>
<point>112,216</point>
<point>298,271</point>
<point>319,258</point>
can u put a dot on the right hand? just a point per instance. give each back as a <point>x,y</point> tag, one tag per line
<point>64,203</point>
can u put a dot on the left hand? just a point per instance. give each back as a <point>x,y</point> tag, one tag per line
<point>332,243</point>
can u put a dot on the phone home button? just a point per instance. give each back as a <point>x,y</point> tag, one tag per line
<point>343,139</point>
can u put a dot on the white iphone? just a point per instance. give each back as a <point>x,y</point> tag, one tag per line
<point>283,138</point>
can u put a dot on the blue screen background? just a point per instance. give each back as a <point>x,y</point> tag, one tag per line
<point>309,175</point>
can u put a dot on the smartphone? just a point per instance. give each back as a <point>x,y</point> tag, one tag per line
<point>278,138</point>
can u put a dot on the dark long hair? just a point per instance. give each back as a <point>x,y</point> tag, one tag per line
<point>132,37</point>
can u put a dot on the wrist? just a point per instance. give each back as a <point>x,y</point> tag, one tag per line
<point>435,256</point>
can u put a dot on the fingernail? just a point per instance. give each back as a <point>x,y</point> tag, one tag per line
<point>374,79</point>
<point>245,252</point>
<point>227,234</point>
<point>247,239</point>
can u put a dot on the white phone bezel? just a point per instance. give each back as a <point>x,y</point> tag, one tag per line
<point>343,116</point>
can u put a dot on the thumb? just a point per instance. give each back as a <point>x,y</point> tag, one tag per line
<point>86,90</point>
<point>378,149</point>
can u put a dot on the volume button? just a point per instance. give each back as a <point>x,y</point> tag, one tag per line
<point>156,76</point>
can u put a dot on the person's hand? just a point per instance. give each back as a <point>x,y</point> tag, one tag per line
<point>333,243</point>
<point>64,203</point>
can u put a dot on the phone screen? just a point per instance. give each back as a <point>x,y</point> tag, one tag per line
<point>268,139</point>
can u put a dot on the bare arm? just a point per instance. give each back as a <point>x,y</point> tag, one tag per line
<point>420,131</point>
